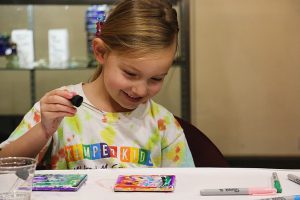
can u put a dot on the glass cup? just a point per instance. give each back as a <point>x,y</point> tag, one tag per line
<point>16,174</point>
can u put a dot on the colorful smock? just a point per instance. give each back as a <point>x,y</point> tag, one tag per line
<point>148,136</point>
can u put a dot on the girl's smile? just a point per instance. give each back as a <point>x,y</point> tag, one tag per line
<point>132,98</point>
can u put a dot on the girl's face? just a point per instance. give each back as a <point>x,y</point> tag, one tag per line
<point>132,81</point>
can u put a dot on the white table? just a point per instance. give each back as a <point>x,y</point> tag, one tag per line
<point>189,181</point>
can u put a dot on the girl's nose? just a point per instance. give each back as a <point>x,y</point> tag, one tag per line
<point>140,89</point>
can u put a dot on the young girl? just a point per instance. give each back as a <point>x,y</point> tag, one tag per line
<point>135,47</point>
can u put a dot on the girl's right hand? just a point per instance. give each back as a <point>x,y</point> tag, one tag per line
<point>55,105</point>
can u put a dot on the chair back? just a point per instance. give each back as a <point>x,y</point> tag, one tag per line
<point>205,153</point>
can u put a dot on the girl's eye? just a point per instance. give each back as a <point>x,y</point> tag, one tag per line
<point>157,79</point>
<point>129,73</point>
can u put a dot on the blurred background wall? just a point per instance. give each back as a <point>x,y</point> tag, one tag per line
<point>246,75</point>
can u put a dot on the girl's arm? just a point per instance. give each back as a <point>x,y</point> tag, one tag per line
<point>175,149</point>
<point>177,154</point>
<point>54,106</point>
<point>28,145</point>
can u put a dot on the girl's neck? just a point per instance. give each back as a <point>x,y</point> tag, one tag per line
<point>98,96</point>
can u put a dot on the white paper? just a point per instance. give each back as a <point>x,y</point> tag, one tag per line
<point>58,41</point>
<point>24,40</point>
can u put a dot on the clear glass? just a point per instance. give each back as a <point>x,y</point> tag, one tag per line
<point>16,174</point>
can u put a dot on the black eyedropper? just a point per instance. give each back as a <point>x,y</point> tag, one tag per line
<point>77,101</point>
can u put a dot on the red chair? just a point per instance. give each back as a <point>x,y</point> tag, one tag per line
<point>205,153</point>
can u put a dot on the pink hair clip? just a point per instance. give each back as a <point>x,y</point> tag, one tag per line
<point>99,25</point>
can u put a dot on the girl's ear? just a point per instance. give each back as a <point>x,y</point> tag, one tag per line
<point>99,50</point>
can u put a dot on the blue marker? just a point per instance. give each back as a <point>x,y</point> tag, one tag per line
<point>295,197</point>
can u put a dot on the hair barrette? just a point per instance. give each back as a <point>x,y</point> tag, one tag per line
<point>99,25</point>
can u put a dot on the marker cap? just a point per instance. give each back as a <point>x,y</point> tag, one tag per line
<point>262,191</point>
<point>297,197</point>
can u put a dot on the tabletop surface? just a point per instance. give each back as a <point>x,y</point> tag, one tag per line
<point>189,182</point>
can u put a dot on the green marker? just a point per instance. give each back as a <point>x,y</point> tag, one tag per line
<point>276,182</point>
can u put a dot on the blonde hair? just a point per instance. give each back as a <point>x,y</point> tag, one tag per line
<point>138,27</point>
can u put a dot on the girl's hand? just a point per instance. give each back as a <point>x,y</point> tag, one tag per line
<point>55,105</point>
